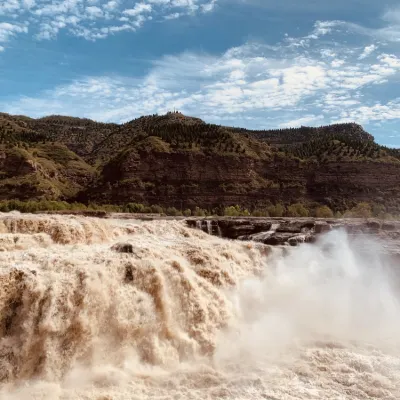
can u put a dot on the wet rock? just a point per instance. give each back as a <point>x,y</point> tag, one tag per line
<point>293,231</point>
<point>235,232</point>
<point>373,226</point>
<point>298,239</point>
<point>322,227</point>
<point>296,226</point>
<point>388,227</point>
<point>278,238</point>
<point>260,237</point>
<point>122,248</point>
<point>235,228</point>
<point>128,273</point>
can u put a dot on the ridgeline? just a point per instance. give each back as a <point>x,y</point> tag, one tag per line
<point>178,161</point>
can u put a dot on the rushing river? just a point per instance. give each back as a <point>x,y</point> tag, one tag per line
<point>190,316</point>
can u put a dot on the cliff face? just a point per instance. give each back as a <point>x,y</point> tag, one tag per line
<point>174,160</point>
<point>46,171</point>
<point>186,180</point>
<point>176,179</point>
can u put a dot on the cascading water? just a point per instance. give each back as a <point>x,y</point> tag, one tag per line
<point>190,316</point>
<point>267,234</point>
<point>209,227</point>
<point>199,224</point>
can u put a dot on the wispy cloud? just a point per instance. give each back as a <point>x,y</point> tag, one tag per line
<point>367,51</point>
<point>389,31</point>
<point>392,15</point>
<point>376,112</point>
<point>9,30</point>
<point>94,20</point>
<point>331,74</point>
<point>307,120</point>
<point>255,85</point>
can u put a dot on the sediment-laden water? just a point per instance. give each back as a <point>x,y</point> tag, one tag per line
<point>190,316</point>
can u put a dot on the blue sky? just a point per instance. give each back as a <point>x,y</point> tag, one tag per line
<point>250,63</point>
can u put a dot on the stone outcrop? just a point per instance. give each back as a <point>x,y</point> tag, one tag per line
<point>294,231</point>
<point>187,180</point>
<point>122,248</point>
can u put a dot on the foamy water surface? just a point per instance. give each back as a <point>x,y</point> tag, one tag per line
<point>190,316</point>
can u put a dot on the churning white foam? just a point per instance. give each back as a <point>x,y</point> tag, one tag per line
<point>191,316</point>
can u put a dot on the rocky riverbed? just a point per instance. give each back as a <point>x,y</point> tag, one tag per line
<point>294,231</point>
<point>275,231</point>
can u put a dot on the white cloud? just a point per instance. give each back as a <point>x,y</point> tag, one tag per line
<point>252,84</point>
<point>1,49</point>
<point>7,31</point>
<point>28,3</point>
<point>308,120</point>
<point>337,63</point>
<point>390,60</point>
<point>92,16</point>
<point>319,78</point>
<point>388,33</point>
<point>9,7</point>
<point>367,51</point>
<point>376,112</point>
<point>94,11</point>
<point>207,7</point>
<point>392,16</point>
<point>139,8</point>
<point>111,5</point>
<point>327,53</point>
<point>172,16</point>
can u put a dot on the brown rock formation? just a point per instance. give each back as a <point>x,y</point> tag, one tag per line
<point>294,231</point>
<point>180,161</point>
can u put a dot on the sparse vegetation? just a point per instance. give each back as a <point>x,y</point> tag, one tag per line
<point>236,211</point>
<point>179,161</point>
<point>324,212</point>
<point>276,211</point>
<point>297,210</point>
<point>361,210</point>
<point>338,142</point>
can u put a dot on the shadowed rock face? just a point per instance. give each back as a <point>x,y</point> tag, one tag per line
<point>292,231</point>
<point>122,248</point>
<point>186,180</point>
<point>183,162</point>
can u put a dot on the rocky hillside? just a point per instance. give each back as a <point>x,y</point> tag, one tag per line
<point>304,134</point>
<point>180,161</point>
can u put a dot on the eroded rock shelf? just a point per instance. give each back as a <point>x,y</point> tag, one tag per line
<point>293,231</point>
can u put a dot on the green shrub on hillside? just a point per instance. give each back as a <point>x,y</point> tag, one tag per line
<point>260,213</point>
<point>236,211</point>
<point>199,212</point>
<point>134,208</point>
<point>276,211</point>
<point>297,210</point>
<point>361,210</point>
<point>155,209</point>
<point>378,210</point>
<point>323,212</point>
<point>172,211</point>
